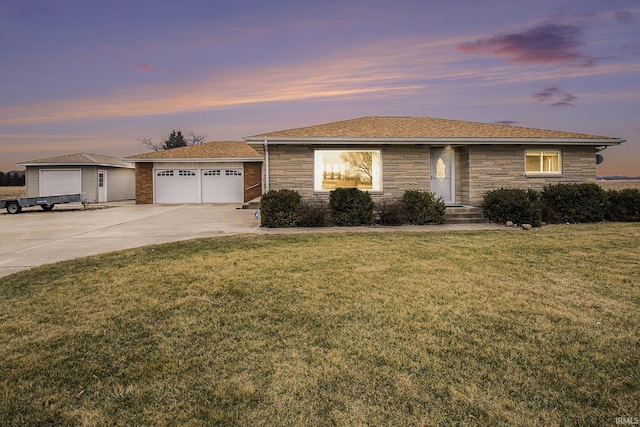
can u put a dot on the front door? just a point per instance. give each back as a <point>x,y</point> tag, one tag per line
<point>102,186</point>
<point>443,174</point>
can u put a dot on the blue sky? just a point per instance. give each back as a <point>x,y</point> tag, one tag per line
<point>96,76</point>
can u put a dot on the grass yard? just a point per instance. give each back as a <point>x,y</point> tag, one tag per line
<point>473,328</point>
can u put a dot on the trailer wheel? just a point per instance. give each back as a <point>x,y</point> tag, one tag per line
<point>13,207</point>
<point>47,208</point>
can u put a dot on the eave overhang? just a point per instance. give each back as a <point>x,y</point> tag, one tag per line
<point>193,160</point>
<point>598,142</point>
<point>104,165</point>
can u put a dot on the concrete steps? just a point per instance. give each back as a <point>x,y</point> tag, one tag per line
<point>252,204</point>
<point>464,215</point>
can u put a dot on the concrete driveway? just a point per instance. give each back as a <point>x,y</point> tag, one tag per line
<point>35,237</point>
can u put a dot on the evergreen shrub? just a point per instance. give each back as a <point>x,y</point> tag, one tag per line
<point>423,207</point>
<point>513,204</point>
<point>280,208</point>
<point>351,207</point>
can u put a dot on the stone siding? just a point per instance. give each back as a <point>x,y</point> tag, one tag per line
<point>478,168</point>
<point>403,168</point>
<point>493,167</point>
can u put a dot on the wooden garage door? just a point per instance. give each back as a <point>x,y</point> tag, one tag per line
<point>55,182</point>
<point>222,186</point>
<point>173,186</point>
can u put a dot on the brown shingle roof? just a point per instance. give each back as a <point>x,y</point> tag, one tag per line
<point>79,159</point>
<point>209,150</point>
<point>419,127</point>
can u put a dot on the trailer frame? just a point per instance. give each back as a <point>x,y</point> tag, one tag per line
<point>14,206</point>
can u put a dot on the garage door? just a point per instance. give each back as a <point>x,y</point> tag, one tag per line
<point>54,182</point>
<point>176,186</point>
<point>222,186</point>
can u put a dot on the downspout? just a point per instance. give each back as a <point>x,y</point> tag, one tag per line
<point>266,165</point>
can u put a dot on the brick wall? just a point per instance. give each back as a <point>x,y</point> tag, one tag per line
<point>144,183</point>
<point>252,180</point>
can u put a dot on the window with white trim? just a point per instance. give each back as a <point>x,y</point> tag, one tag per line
<point>347,169</point>
<point>186,173</point>
<point>543,162</point>
<point>215,172</point>
<point>164,173</point>
<point>233,173</point>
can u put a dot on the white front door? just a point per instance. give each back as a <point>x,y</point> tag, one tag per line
<point>443,174</point>
<point>102,186</point>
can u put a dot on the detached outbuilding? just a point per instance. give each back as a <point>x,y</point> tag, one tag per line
<point>101,178</point>
<point>214,172</point>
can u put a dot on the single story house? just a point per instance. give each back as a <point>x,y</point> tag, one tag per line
<point>457,160</point>
<point>101,178</point>
<point>213,172</point>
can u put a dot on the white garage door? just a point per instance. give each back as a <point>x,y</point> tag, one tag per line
<point>55,182</point>
<point>222,186</point>
<point>176,186</point>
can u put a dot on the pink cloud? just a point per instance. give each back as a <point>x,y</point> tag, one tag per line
<point>543,44</point>
<point>145,68</point>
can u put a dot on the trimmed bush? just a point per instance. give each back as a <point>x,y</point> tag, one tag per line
<point>280,208</point>
<point>574,203</point>
<point>314,213</point>
<point>350,206</point>
<point>391,212</point>
<point>513,204</point>
<point>623,205</point>
<point>423,207</point>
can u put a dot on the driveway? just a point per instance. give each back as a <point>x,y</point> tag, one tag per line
<point>35,237</point>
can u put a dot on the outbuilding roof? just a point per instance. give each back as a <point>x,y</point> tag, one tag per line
<point>219,150</point>
<point>79,159</point>
<point>426,129</point>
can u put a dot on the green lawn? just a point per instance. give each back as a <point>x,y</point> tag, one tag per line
<point>535,327</point>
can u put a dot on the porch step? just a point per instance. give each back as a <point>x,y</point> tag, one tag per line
<point>464,215</point>
<point>252,204</point>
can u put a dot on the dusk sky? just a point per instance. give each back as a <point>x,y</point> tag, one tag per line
<point>97,76</point>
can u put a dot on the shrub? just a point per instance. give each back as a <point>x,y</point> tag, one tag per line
<point>574,203</point>
<point>623,205</point>
<point>391,212</point>
<point>513,204</point>
<point>423,208</point>
<point>280,208</point>
<point>314,213</point>
<point>350,206</point>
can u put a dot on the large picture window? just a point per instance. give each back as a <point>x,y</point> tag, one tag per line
<point>347,168</point>
<point>543,162</point>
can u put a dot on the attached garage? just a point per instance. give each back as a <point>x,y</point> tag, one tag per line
<point>215,172</point>
<point>207,185</point>
<point>222,186</point>
<point>176,186</point>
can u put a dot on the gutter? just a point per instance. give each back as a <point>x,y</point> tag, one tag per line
<point>446,141</point>
<point>266,166</point>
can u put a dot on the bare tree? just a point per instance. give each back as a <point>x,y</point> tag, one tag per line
<point>175,139</point>
<point>361,160</point>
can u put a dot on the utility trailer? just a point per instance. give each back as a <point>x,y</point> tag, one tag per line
<point>47,203</point>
